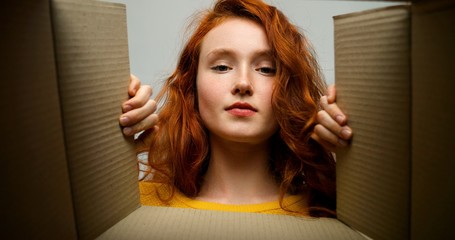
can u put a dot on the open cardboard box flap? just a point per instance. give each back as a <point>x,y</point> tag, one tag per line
<point>70,174</point>
<point>394,76</point>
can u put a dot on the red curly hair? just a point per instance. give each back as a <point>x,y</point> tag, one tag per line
<point>179,150</point>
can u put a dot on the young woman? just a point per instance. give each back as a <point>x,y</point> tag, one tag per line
<point>240,128</point>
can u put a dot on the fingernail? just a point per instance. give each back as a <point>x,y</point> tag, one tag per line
<point>346,133</point>
<point>127,108</point>
<point>342,142</point>
<point>124,121</point>
<point>339,119</point>
<point>127,131</point>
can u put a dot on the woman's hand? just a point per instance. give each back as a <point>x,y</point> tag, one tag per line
<point>138,111</point>
<point>332,130</point>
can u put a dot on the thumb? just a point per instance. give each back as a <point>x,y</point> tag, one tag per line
<point>134,85</point>
<point>331,94</point>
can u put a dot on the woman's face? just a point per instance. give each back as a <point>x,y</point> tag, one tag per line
<point>236,74</point>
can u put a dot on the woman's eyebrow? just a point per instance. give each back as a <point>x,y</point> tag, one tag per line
<point>264,53</point>
<point>220,52</point>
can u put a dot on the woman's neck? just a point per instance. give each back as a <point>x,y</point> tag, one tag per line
<point>238,173</point>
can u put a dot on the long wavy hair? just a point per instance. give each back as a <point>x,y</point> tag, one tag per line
<point>179,150</point>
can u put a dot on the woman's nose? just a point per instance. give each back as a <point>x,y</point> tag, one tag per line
<point>243,84</point>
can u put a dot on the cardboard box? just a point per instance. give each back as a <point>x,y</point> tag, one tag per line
<point>394,75</point>
<point>68,172</point>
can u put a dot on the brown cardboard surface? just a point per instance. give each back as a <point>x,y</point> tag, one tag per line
<point>93,71</point>
<point>180,223</point>
<point>372,59</point>
<point>433,131</point>
<point>35,190</point>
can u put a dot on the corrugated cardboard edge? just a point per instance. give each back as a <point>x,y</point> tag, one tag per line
<point>93,71</point>
<point>35,189</point>
<point>369,11</point>
<point>433,130</point>
<point>183,223</point>
<point>372,71</point>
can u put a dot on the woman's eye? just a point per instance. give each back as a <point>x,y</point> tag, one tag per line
<point>221,68</point>
<point>267,70</point>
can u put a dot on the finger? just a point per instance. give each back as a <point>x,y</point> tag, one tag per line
<point>148,123</point>
<point>331,94</point>
<point>328,122</point>
<point>334,111</point>
<point>140,99</point>
<point>326,145</point>
<point>328,136</point>
<point>136,115</point>
<point>331,125</point>
<point>134,85</point>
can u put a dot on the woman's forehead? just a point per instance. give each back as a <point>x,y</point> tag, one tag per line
<point>235,34</point>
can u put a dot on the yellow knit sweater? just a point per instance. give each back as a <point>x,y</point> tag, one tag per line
<point>149,196</point>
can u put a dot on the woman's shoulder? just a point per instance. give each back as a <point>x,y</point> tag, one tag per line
<point>161,194</point>
<point>153,194</point>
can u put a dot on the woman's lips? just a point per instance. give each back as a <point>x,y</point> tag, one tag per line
<point>241,109</point>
